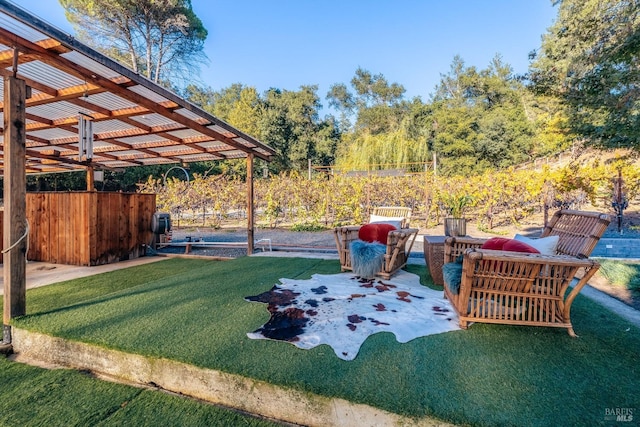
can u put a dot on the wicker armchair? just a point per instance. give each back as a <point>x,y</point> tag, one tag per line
<point>399,242</point>
<point>526,289</point>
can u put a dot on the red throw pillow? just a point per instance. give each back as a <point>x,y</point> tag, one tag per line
<point>495,243</point>
<point>375,232</point>
<point>518,246</point>
<point>511,245</point>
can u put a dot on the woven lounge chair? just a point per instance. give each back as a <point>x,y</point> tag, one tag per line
<point>526,289</point>
<point>398,245</point>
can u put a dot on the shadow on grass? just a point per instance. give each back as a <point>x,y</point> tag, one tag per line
<point>487,375</point>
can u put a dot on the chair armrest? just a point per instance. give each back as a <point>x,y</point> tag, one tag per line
<point>345,235</point>
<point>403,231</point>
<point>530,258</point>
<point>401,236</point>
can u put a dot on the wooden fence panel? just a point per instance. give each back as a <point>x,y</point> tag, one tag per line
<point>88,228</point>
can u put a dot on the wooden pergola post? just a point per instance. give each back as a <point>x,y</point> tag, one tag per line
<point>90,178</point>
<point>250,210</point>
<point>15,186</point>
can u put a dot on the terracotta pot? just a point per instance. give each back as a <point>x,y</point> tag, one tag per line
<point>455,227</point>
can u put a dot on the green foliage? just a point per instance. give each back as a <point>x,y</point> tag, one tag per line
<point>290,124</point>
<point>69,181</point>
<point>491,198</point>
<point>376,104</point>
<point>550,122</point>
<point>588,59</point>
<point>623,274</point>
<point>479,121</point>
<point>382,151</point>
<point>456,204</point>
<point>476,120</point>
<point>308,227</point>
<point>286,120</point>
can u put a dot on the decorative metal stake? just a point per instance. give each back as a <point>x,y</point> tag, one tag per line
<point>620,202</point>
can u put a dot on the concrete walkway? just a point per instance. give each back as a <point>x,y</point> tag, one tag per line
<point>45,273</point>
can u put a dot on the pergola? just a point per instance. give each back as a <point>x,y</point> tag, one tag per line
<point>51,84</point>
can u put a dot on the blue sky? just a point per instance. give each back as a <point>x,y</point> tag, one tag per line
<point>289,43</point>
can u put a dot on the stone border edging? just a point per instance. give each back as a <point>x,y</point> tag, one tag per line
<point>231,390</point>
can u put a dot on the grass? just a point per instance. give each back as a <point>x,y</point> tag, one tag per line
<point>31,396</point>
<point>193,311</point>
<point>620,273</point>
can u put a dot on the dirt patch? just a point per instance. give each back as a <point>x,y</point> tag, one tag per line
<point>628,297</point>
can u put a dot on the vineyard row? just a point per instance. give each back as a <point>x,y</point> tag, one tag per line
<point>497,198</point>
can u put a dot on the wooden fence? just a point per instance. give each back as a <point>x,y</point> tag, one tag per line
<point>88,228</point>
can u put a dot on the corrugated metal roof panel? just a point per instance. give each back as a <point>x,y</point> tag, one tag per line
<point>153,96</point>
<point>19,29</point>
<point>91,65</point>
<point>153,120</point>
<point>199,157</point>
<point>52,134</point>
<point>233,154</point>
<point>244,142</point>
<point>185,133</point>
<point>213,145</point>
<point>48,75</point>
<point>110,101</point>
<point>223,131</point>
<point>145,139</point>
<point>112,126</point>
<point>56,111</point>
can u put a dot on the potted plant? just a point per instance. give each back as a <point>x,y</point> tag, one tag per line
<point>455,224</point>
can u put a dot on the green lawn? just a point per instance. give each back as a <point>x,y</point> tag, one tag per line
<point>624,274</point>
<point>31,396</point>
<point>193,311</point>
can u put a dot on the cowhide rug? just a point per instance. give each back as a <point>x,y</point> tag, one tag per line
<point>342,310</point>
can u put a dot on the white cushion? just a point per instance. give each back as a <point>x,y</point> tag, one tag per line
<point>396,224</point>
<point>546,245</point>
<point>393,220</point>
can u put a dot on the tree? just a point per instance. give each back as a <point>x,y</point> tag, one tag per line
<point>377,105</point>
<point>286,120</point>
<point>479,119</point>
<point>589,59</point>
<point>160,39</point>
<point>238,105</point>
<point>290,124</point>
<point>550,123</point>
